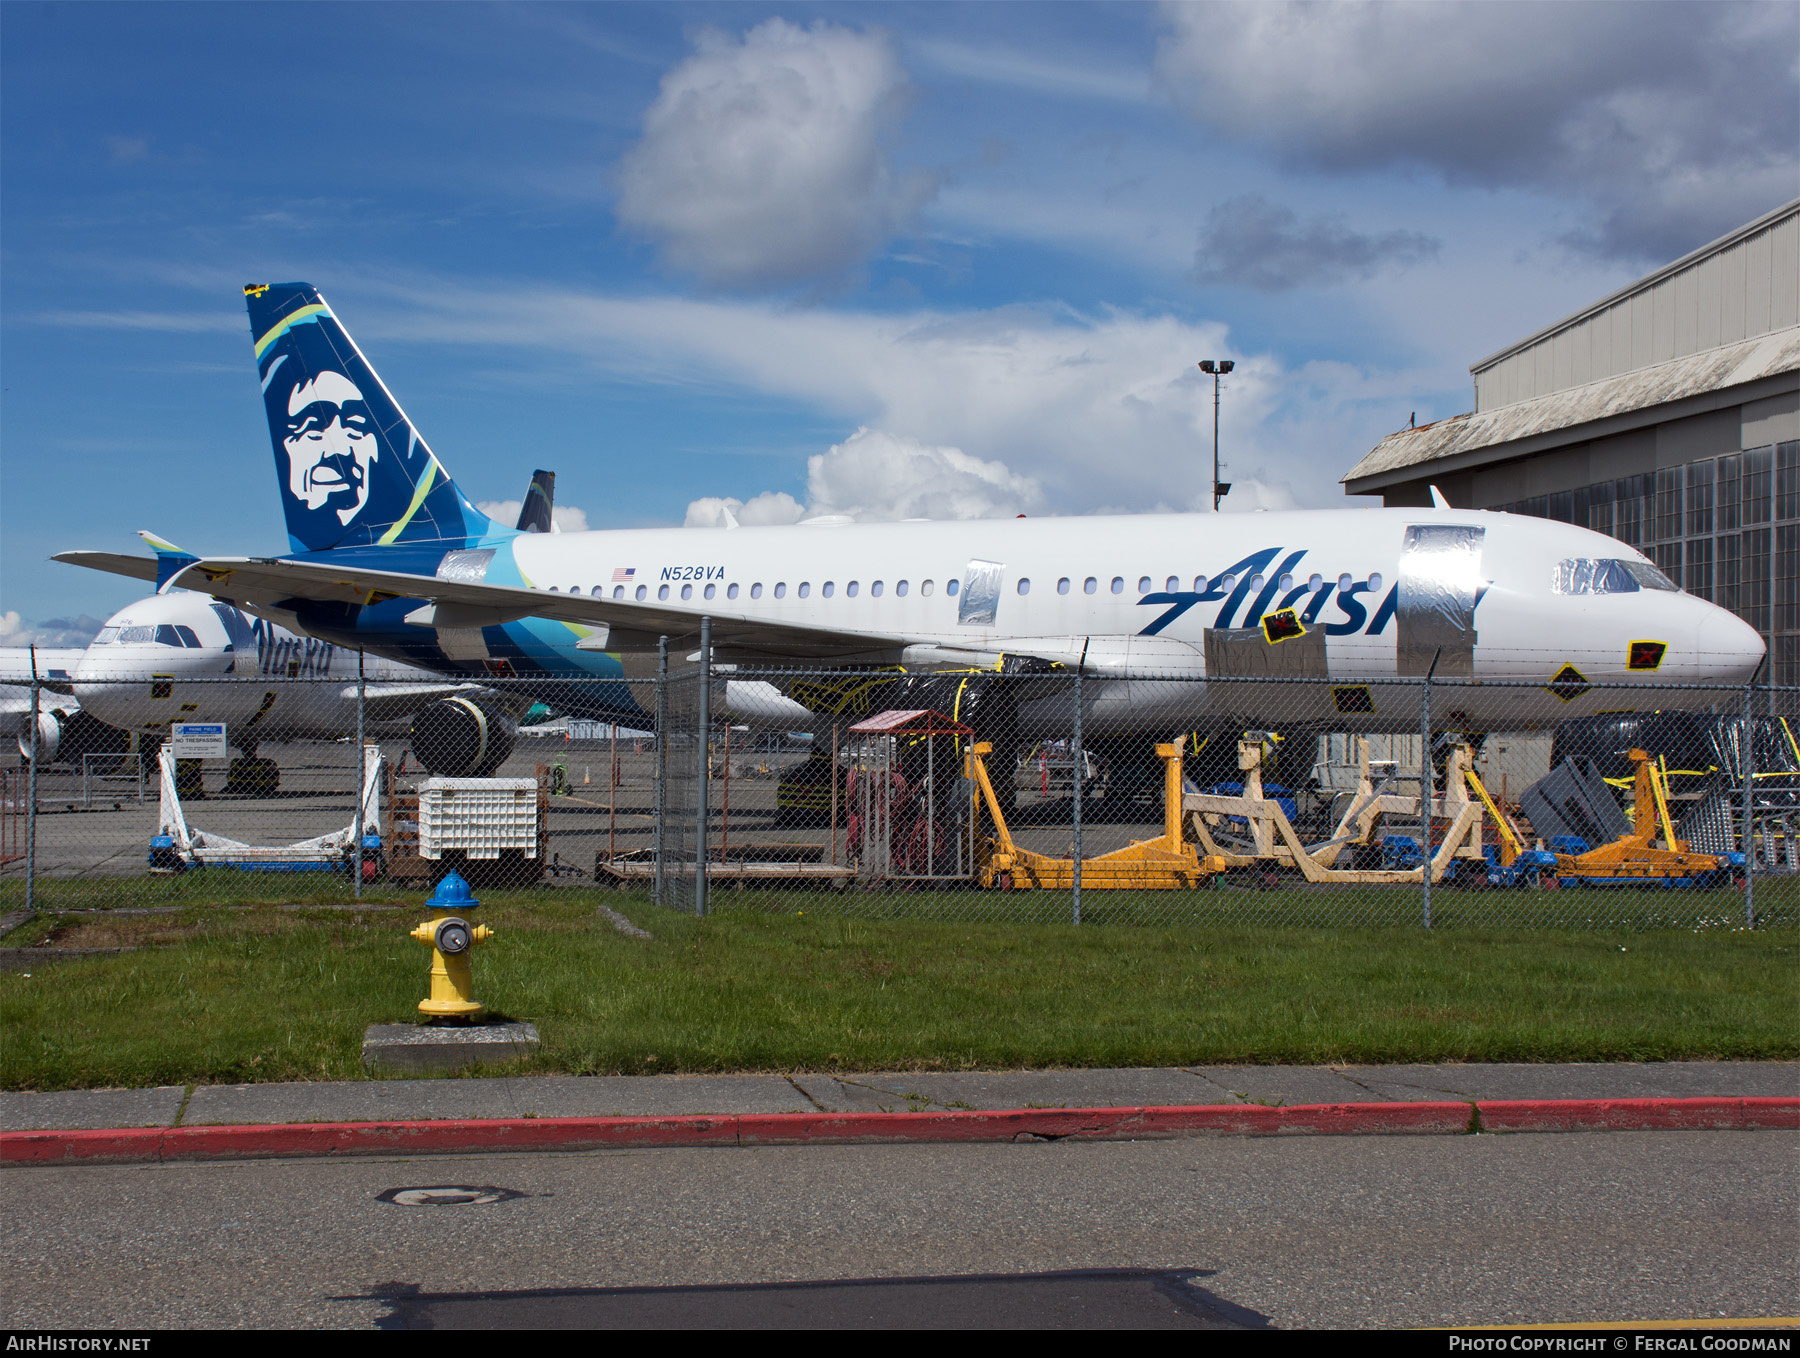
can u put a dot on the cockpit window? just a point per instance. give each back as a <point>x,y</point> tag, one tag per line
<point>237,627</point>
<point>1649,577</point>
<point>107,636</point>
<point>1607,575</point>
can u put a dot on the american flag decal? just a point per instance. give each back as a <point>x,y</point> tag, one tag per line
<point>622,574</point>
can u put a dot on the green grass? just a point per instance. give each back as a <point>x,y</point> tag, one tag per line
<point>209,887</point>
<point>267,994</point>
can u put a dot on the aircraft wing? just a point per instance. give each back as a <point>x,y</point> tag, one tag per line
<point>395,702</point>
<point>271,582</point>
<point>54,666</point>
<point>137,567</point>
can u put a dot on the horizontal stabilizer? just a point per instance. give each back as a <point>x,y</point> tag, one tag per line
<point>114,563</point>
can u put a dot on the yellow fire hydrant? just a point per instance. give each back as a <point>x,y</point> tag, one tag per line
<point>450,937</point>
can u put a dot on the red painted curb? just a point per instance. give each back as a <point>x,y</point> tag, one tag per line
<point>1581,1115</point>
<point>454,1136</point>
<point>362,1138</point>
<point>1102,1124</point>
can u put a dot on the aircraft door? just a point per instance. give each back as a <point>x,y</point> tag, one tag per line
<point>1434,613</point>
<point>980,599</point>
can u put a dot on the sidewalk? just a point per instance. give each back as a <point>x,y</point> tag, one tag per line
<point>688,1096</point>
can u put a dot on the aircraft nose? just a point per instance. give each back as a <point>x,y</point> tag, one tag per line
<point>1729,647</point>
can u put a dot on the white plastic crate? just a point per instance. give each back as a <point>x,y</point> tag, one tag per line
<point>480,816</point>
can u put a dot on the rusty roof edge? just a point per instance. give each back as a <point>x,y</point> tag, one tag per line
<point>1651,279</point>
<point>1467,456</point>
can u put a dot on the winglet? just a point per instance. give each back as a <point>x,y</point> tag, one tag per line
<point>1437,499</point>
<point>170,559</point>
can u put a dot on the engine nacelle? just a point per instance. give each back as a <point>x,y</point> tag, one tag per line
<point>69,735</point>
<point>49,738</point>
<point>467,736</point>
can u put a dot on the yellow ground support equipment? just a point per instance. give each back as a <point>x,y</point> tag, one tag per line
<point>1635,858</point>
<point>1166,863</point>
<point>1512,843</point>
<point>1275,844</point>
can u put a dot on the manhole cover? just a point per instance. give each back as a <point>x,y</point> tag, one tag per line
<point>446,1195</point>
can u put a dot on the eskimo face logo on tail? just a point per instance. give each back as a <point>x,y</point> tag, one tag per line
<point>351,467</point>
<point>330,443</point>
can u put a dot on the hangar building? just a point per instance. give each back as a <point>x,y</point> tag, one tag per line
<point>1666,414</point>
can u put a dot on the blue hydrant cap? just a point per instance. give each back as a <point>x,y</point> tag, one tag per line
<point>452,894</point>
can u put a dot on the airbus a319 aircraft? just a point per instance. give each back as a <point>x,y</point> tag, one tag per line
<point>389,555</point>
<point>180,656</point>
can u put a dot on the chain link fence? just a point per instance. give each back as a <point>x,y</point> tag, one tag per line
<point>1031,796</point>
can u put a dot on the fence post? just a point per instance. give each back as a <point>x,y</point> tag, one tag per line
<point>1078,766</point>
<point>1748,838</point>
<point>662,760</point>
<point>705,743</point>
<point>362,697</point>
<point>31,799</point>
<point>1425,786</point>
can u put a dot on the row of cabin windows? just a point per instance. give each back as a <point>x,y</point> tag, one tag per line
<point>1091,585</point>
<point>803,590</point>
<point>1225,583</point>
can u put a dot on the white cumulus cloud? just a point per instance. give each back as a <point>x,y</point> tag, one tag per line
<point>1092,409</point>
<point>1675,122</point>
<point>53,632</point>
<point>772,507</point>
<point>875,475</point>
<point>563,518</point>
<point>762,161</point>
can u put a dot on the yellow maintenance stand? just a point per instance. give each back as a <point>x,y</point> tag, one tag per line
<point>1635,858</point>
<point>450,936</point>
<point>1166,863</point>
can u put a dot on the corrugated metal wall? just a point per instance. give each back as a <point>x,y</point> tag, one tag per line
<point>1747,288</point>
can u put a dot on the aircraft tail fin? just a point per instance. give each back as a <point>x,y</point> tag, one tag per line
<point>170,559</point>
<point>540,498</point>
<point>352,468</point>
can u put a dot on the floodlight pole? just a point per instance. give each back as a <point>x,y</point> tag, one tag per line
<point>1217,369</point>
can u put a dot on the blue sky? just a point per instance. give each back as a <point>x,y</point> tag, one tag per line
<point>887,260</point>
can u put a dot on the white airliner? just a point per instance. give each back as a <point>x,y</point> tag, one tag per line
<point>183,657</point>
<point>54,668</point>
<point>390,556</point>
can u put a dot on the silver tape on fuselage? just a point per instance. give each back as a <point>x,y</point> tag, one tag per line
<point>980,599</point>
<point>467,566</point>
<point>1434,610</point>
<point>1245,652</point>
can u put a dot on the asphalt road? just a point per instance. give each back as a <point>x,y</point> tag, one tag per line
<point>1304,1231</point>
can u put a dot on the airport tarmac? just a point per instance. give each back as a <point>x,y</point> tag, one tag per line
<point>100,826</point>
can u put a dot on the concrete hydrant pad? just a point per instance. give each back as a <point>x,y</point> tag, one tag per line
<point>413,1047</point>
